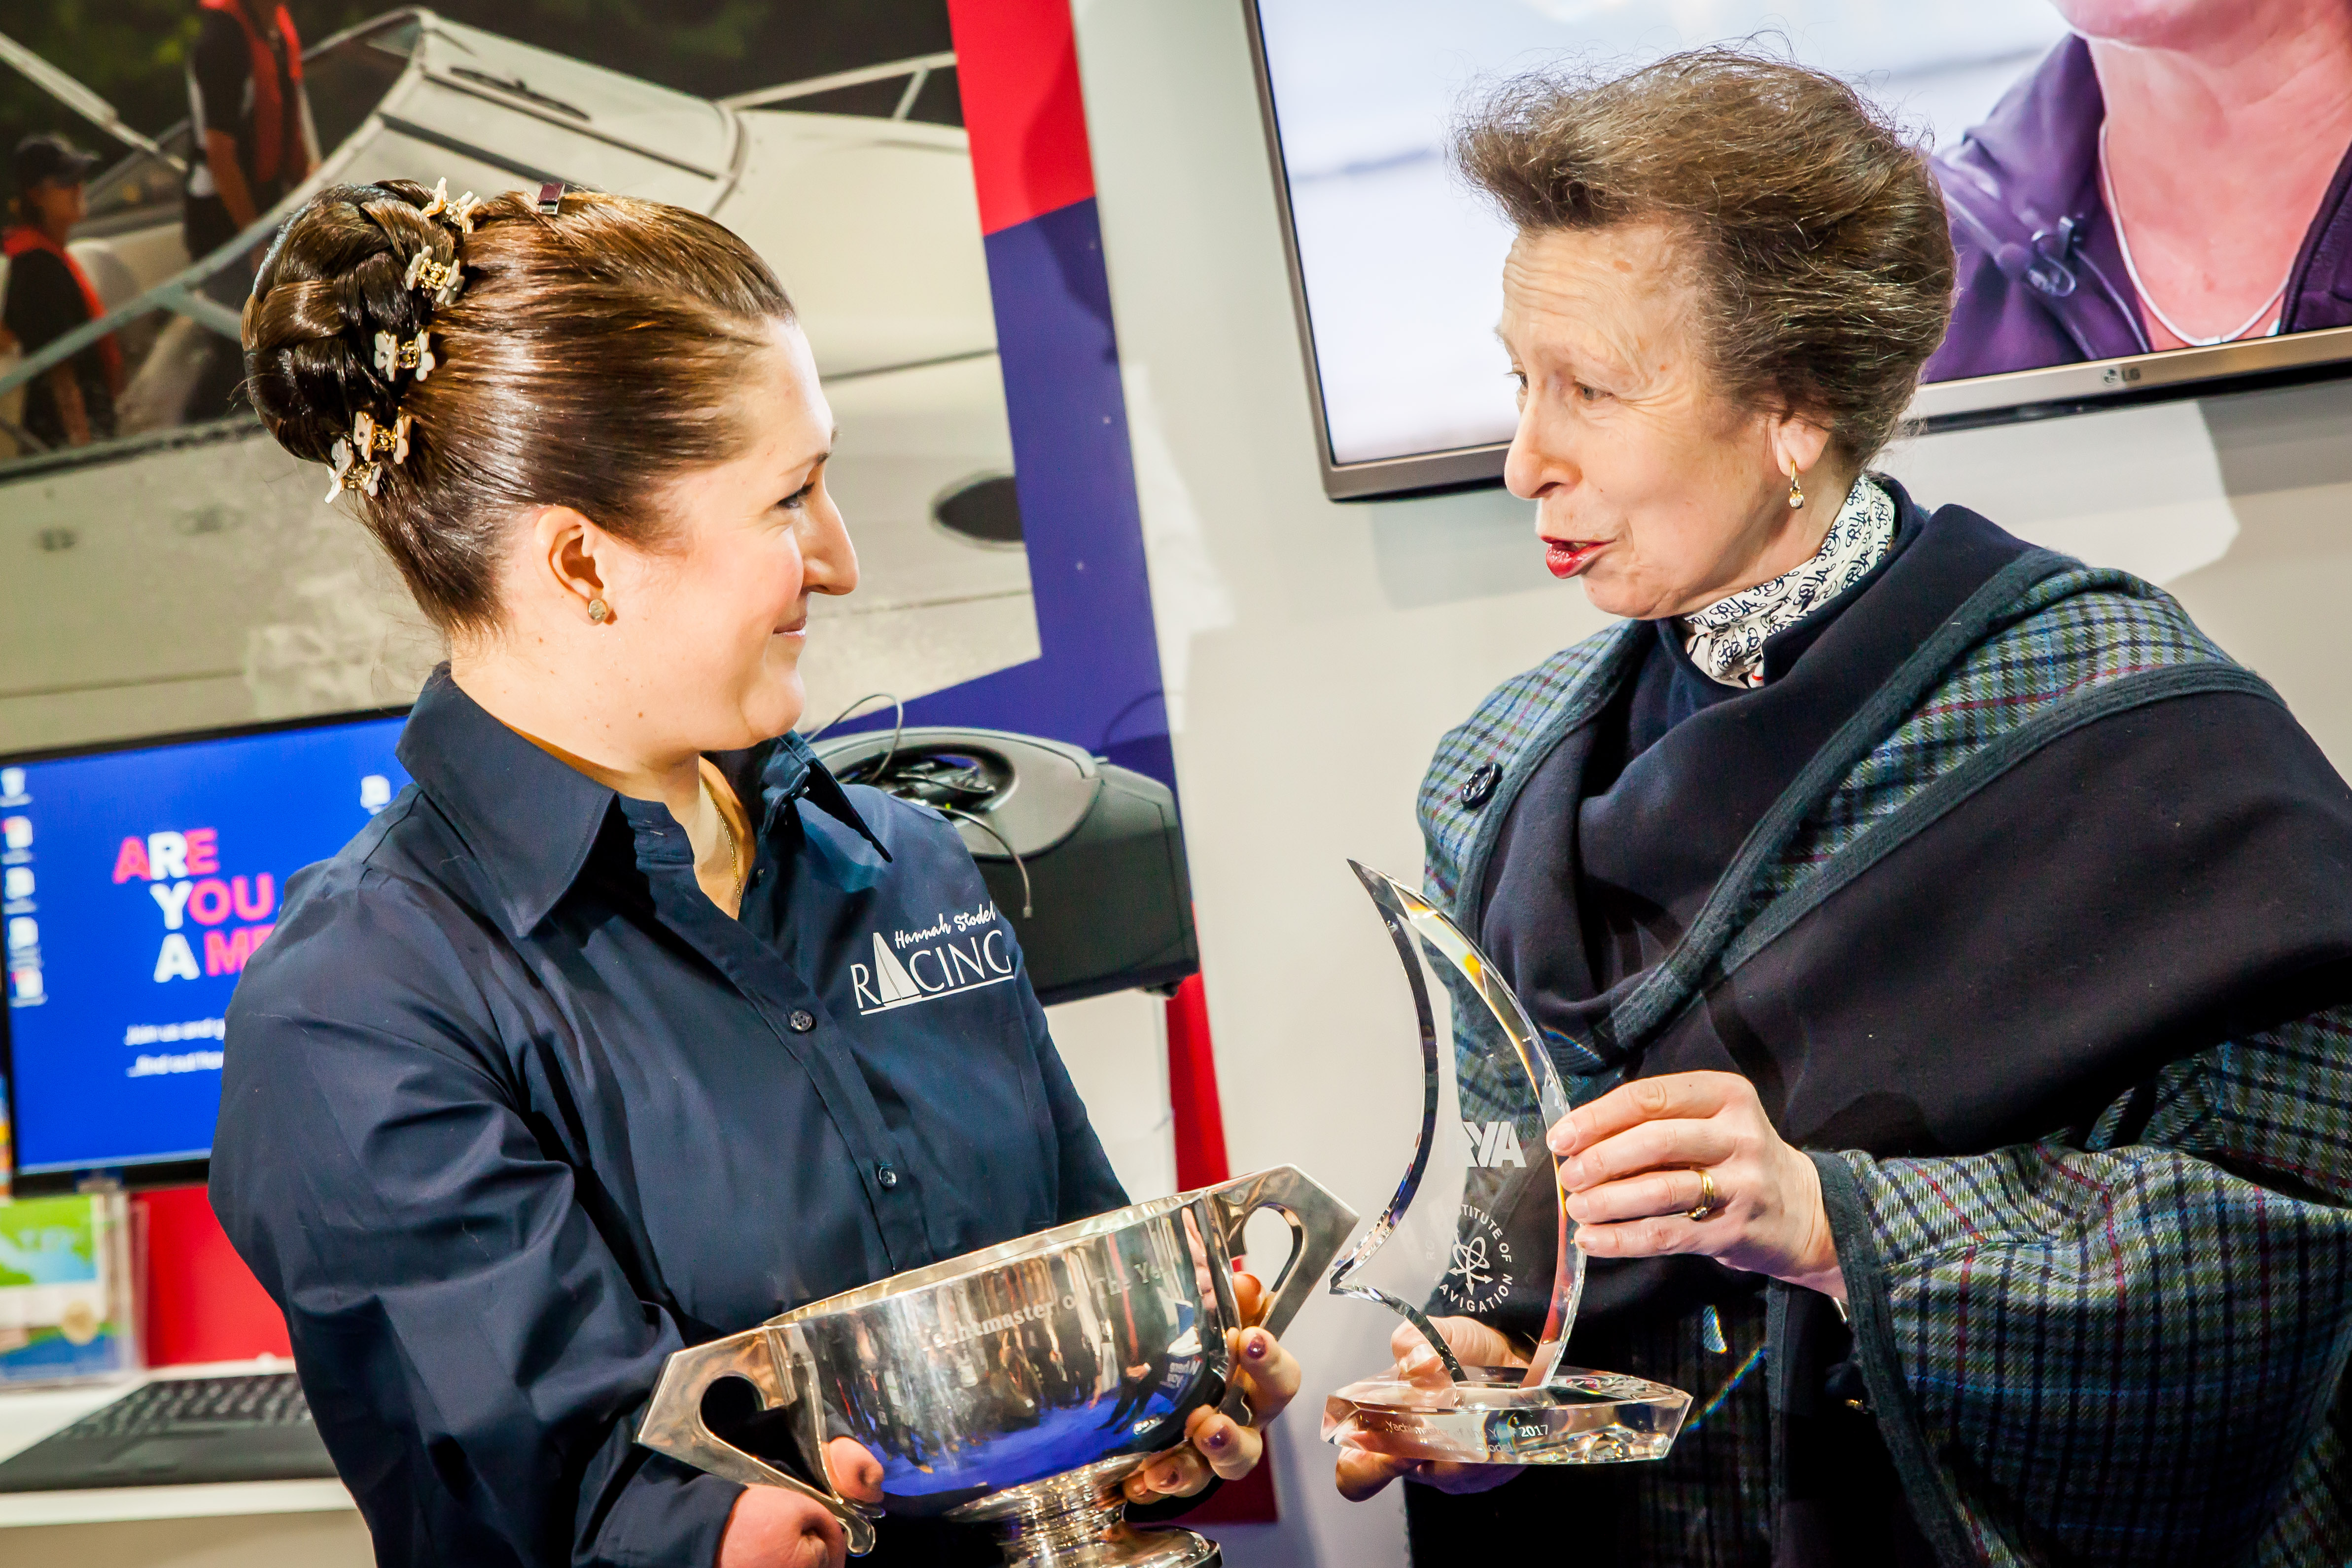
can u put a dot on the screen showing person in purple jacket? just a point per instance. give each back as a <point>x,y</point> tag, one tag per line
<point>2124,176</point>
<point>2173,173</point>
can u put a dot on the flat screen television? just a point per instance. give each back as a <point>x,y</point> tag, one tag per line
<point>1395,265</point>
<point>135,881</point>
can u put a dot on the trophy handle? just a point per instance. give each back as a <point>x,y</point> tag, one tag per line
<point>775,1362</point>
<point>1320,1225</point>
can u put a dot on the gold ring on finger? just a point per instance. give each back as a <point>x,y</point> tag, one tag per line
<point>1710,1202</point>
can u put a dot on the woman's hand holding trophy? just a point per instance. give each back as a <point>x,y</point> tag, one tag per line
<point>1215,1443</point>
<point>1365,1470</point>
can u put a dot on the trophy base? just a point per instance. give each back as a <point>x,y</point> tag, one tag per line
<point>1067,1526</point>
<point>1579,1419</point>
<point>1122,1546</point>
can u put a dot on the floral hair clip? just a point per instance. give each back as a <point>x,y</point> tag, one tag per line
<point>443,279</point>
<point>351,473</point>
<point>459,214</point>
<point>393,355</point>
<point>368,437</point>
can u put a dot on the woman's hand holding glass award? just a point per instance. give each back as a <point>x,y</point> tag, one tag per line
<point>1475,1253</point>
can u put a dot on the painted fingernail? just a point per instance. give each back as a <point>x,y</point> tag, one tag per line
<point>1259,1345</point>
<point>1220,1437</point>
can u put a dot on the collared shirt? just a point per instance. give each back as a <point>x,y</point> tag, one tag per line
<point>511,1111</point>
<point>1726,638</point>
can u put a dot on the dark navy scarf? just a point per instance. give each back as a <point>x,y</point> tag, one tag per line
<point>2131,892</point>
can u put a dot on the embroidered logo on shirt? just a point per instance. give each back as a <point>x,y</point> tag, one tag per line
<point>964,951</point>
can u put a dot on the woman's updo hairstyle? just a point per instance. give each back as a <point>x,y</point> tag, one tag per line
<point>587,357</point>
<point>1814,232</point>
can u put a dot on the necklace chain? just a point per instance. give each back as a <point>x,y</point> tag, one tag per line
<point>2122,243</point>
<point>734,848</point>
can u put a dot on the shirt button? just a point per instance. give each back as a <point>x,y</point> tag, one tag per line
<point>1479,787</point>
<point>802,1021</point>
<point>888,1175</point>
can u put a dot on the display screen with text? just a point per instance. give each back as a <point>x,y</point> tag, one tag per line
<point>138,884</point>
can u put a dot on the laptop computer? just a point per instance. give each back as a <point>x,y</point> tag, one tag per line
<point>181,1431</point>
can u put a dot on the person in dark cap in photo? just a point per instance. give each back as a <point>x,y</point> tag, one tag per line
<point>49,296</point>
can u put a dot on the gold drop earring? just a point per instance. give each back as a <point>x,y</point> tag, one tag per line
<point>1796,491</point>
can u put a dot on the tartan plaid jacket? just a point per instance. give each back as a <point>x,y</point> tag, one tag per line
<point>2123,1341</point>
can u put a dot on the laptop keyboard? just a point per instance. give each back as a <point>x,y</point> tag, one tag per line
<point>184,1404</point>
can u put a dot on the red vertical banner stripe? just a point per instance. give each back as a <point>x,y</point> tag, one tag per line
<point>1017,73</point>
<point>1199,1117</point>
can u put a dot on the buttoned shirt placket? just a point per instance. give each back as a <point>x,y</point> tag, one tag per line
<point>788,1006</point>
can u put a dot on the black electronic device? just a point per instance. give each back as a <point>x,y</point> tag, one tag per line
<point>181,1431</point>
<point>1085,857</point>
<point>136,878</point>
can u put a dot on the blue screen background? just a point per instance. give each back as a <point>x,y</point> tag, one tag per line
<point>85,1000</point>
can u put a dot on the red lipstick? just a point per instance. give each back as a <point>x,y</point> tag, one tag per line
<point>1567,558</point>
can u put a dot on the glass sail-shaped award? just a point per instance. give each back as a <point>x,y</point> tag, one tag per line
<point>1477,1231</point>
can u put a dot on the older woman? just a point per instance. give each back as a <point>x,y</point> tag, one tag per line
<point>1951,943</point>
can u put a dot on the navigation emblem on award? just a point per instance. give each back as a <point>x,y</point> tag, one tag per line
<point>1478,1229</point>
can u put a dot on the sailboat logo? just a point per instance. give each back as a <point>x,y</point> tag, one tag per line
<point>961,953</point>
<point>891,981</point>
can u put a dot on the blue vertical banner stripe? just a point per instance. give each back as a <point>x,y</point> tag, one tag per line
<point>1096,681</point>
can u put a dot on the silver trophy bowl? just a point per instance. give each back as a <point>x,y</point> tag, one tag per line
<point>1021,1383</point>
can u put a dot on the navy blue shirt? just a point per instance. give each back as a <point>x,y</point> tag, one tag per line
<point>511,1111</point>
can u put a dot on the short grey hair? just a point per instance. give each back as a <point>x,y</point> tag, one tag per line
<point>1819,244</point>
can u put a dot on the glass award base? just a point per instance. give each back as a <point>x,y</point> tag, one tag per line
<point>1579,1419</point>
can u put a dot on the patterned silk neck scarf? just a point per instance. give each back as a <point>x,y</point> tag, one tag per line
<point>1726,638</point>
